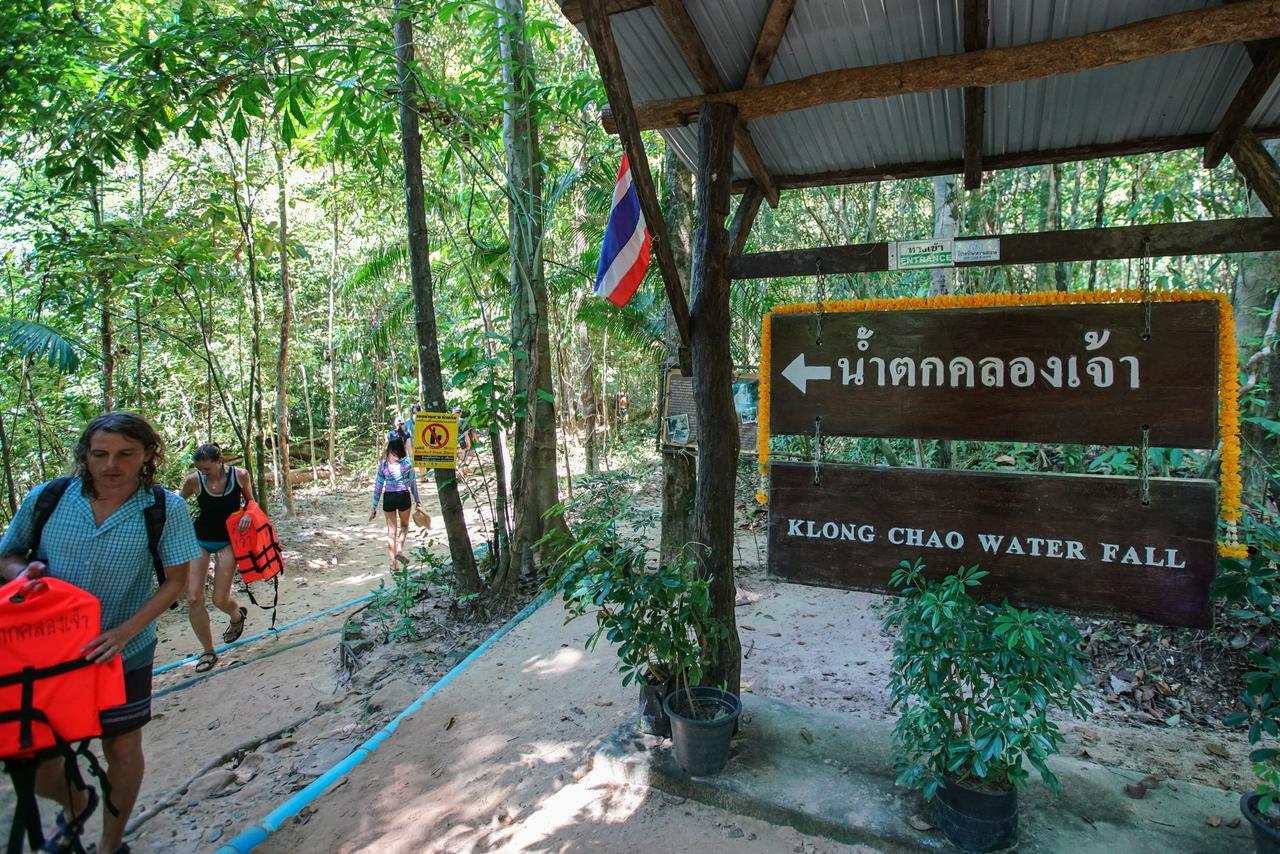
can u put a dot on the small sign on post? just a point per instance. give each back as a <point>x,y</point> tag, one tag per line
<point>435,440</point>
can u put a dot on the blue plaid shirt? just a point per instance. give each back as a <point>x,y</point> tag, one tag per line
<point>112,561</point>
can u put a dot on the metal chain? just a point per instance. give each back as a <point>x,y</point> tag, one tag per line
<point>1144,467</point>
<point>822,294</point>
<point>1144,284</point>
<point>817,450</point>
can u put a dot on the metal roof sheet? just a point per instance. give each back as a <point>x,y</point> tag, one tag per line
<point>1173,95</point>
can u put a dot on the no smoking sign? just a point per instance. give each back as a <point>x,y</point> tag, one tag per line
<point>435,440</point>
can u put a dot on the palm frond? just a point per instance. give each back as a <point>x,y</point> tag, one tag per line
<point>39,341</point>
<point>383,264</point>
<point>641,322</point>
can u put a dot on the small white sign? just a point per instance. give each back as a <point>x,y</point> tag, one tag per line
<point>986,249</point>
<point>920,254</point>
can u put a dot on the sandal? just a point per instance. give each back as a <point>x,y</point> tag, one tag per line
<point>67,839</point>
<point>236,627</point>
<point>206,661</point>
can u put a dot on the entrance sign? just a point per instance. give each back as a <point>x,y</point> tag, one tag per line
<point>1085,373</point>
<point>435,440</point>
<point>921,254</point>
<point>1076,542</point>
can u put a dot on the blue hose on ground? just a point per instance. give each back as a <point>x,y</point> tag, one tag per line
<point>220,650</point>
<point>256,834</point>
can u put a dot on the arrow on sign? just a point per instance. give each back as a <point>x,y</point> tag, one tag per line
<point>800,374</point>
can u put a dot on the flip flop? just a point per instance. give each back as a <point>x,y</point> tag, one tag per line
<point>67,839</point>
<point>236,627</point>
<point>205,662</point>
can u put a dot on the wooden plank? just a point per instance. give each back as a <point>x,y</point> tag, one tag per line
<point>685,33</point>
<point>743,218</point>
<point>771,33</point>
<point>1087,544</point>
<point>1211,237</point>
<point>712,381</point>
<point>1063,373</point>
<point>600,37</point>
<point>1246,100</point>
<point>1259,169</point>
<point>1015,160</point>
<point>977,21</point>
<point>1168,34</point>
<point>572,9</point>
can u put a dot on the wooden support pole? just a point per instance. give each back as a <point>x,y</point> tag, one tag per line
<point>1247,20</point>
<point>600,37</point>
<point>743,218</point>
<point>1247,97</point>
<point>977,20</point>
<point>712,386</point>
<point>1212,237</point>
<point>1258,168</point>
<point>694,49</point>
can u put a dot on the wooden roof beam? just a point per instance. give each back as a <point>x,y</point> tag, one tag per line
<point>929,168</point>
<point>1258,168</point>
<point>694,49</point>
<point>771,33</point>
<point>1248,96</point>
<point>977,22</point>
<point>600,37</point>
<point>1247,20</point>
<point>1207,237</point>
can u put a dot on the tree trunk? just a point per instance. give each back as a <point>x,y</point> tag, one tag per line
<point>330,362</point>
<point>942,279</point>
<point>679,473</point>
<point>712,386</point>
<point>430,381</point>
<point>311,424</point>
<point>1050,277</point>
<point>535,489</point>
<point>7,459</point>
<point>1099,214</point>
<point>286,318</point>
<point>105,332</point>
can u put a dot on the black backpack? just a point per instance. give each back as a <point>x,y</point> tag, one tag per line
<point>153,517</point>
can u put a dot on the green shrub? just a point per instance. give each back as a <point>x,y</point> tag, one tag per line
<point>1262,697</point>
<point>975,683</point>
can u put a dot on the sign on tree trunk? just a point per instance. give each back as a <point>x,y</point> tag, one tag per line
<point>1080,543</point>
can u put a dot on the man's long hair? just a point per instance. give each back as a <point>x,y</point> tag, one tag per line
<point>131,426</point>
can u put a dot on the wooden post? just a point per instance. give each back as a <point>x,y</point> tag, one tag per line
<point>712,383</point>
<point>1259,169</point>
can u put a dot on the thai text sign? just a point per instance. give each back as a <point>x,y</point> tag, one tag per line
<point>1062,373</point>
<point>1075,542</point>
<point>435,440</point>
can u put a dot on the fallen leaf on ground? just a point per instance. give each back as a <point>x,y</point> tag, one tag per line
<point>1213,820</point>
<point>1137,792</point>
<point>1151,781</point>
<point>449,723</point>
<point>1217,748</point>
<point>806,735</point>
<point>920,824</point>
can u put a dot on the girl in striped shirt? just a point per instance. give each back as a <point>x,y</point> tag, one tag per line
<point>396,481</point>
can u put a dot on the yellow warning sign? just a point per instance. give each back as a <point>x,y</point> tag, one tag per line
<point>435,440</point>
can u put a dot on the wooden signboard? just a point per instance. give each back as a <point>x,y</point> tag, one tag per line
<point>1075,542</point>
<point>1063,373</point>
<point>679,425</point>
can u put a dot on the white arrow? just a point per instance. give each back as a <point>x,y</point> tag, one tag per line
<point>800,374</point>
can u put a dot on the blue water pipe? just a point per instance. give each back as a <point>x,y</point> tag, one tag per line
<point>256,834</point>
<point>219,650</point>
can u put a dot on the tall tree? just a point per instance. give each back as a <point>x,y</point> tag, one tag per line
<point>430,381</point>
<point>679,472</point>
<point>286,319</point>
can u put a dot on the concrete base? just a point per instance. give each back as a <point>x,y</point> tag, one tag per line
<point>829,775</point>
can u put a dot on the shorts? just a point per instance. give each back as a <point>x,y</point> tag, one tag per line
<point>136,710</point>
<point>394,502</point>
<point>213,546</point>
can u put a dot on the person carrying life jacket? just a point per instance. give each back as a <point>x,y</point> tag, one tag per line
<point>96,538</point>
<point>220,492</point>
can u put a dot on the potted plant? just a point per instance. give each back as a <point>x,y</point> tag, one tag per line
<point>975,685</point>
<point>1262,807</point>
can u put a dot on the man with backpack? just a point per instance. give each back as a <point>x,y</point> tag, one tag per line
<point>111,531</point>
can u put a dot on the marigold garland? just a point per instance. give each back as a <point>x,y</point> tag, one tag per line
<point>1228,380</point>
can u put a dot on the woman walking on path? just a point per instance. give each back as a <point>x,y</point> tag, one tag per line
<point>395,482</point>
<point>220,491</point>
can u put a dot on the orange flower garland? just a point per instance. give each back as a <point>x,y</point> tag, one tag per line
<point>1228,381</point>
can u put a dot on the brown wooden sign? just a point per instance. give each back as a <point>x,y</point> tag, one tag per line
<point>1075,542</point>
<point>1067,373</point>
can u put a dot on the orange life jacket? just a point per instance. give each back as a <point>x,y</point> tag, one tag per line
<point>50,694</point>
<point>257,552</point>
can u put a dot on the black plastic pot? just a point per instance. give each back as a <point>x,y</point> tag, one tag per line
<point>975,819</point>
<point>1266,837</point>
<point>700,736</point>
<point>653,717</point>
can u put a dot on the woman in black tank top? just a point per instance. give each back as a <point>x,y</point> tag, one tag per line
<point>220,491</point>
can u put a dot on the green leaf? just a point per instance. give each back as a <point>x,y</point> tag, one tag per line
<point>239,128</point>
<point>39,341</point>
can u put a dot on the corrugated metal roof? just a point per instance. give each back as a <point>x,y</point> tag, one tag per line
<point>1172,95</point>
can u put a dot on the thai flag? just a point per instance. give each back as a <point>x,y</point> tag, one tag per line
<point>625,254</point>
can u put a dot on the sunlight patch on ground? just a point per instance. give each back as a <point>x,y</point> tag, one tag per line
<point>357,580</point>
<point>593,801</point>
<point>561,661</point>
<point>542,752</point>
